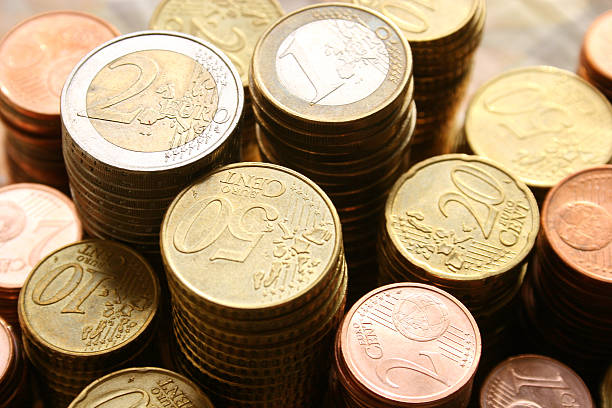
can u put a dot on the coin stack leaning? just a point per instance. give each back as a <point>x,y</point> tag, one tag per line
<point>567,295</point>
<point>530,380</point>
<point>233,27</point>
<point>13,370</point>
<point>405,345</point>
<point>86,309</point>
<point>595,63</point>
<point>255,265</point>
<point>37,56</point>
<point>541,123</point>
<point>143,116</point>
<point>332,92</point>
<point>148,386</point>
<point>443,37</point>
<point>469,234</point>
<point>34,220</point>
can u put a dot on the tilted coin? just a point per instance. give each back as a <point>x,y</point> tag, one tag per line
<point>476,220</point>
<point>233,26</point>
<point>408,344</point>
<point>542,123</point>
<point>152,101</point>
<point>595,62</point>
<point>89,299</point>
<point>149,386</point>
<point>251,237</point>
<point>532,381</point>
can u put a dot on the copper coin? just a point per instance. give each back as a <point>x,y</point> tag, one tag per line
<point>34,221</point>
<point>409,343</point>
<point>597,47</point>
<point>37,55</point>
<point>577,221</point>
<point>6,351</point>
<point>534,381</point>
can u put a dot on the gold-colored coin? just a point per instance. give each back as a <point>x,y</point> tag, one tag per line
<point>148,385</point>
<point>476,220</point>
<point>606,389</point>
<point>89,299</point>
<point>542,123</point>
<point>233,26</point>
<point>251,237</point>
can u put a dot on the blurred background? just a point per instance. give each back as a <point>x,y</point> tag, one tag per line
<point>517,32</point>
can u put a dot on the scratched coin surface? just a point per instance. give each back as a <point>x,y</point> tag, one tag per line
<point>534,381</point>
<point>410,343</point>
<point>251,235</point>
<point>37,55</point>
<point>146,387</point>
<point>577,221</point>
<point>152,101</point>
<point>234,26</point>
<point>425,20</point>
<point>89,298</point>
<point>332,63</point>
<point>542,123</point>
<point>34,221</point>
<point>475,221</point>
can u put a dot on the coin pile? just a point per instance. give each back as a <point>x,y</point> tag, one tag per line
<point>530,380</point>
<point>143,116</point>
<point>605,390</point>
<point>37,56</point>
<point>541,123</point>
<point>406,345</point>
<point>572,265</point>
<point>34,221</point>
<point>255,265</point>
<point>595,64</point>
<point>332,91</point>
<point>148,386</point>
<point>469,234</point>
<point>234,27</point>
<point>13,370</point>
<point>86,309</point>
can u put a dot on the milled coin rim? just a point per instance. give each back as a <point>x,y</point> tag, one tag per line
<point>86,137</point>
<point>472,141</point>
<point>516,260</point>
<point>179,277</point>
<point>24,320</point>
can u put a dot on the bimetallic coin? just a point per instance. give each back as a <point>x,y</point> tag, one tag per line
<point>147,385</point>
<point>251,236</point>
<point>88,299</point>
<point>233,26</point>
<point>34,221</point>
<point>152,101</point>
<point>331,64</point>
<point>542,123</point>
<point>409,344</point>
<point>534,381</point>
<point>475,221</point>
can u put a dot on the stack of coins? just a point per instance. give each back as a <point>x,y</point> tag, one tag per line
<point>443,36</point>
<point>234,27</point>
<point>469,234</point>
<point>530,380</point>
<point>567,296</point>
<point>332,92</point>
<point>143,116</point>
<point>86,310</point>
<point>146,386</point>
<point>605,390</point>
<point>34,221</point>
<point>13,372</point>
<point>255,265</point>
<point>406,345</point>
<point>37,56</point>
<point>541,123</point>
<point>595,63</point>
